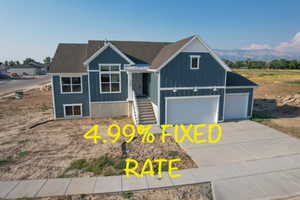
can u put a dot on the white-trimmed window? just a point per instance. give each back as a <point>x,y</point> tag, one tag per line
<point>71,84</point>
<point>195,61</point>
<point>73,110</point>
<point>110,78</point>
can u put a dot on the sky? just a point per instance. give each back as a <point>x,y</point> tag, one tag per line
<point>33,28</point>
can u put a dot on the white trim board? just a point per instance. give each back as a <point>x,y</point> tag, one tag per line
<point>53,97</point>
<point>206,87</point>
<point>210,51</point>
<point>105,46</point>
<point>68,74</point>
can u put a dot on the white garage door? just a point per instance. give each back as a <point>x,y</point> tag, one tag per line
<point>236,106</point>
<point>192,110</point>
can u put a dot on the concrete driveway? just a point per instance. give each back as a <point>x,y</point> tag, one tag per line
<point>256,162</point>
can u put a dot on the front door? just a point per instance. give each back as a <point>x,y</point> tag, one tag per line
<point>137,83</point>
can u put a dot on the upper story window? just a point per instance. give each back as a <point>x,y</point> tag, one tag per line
<point>110,78</point>
<point>194,62</point>
<point>71,84</point>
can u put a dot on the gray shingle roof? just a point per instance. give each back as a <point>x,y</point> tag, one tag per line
<point>166,52</point>
<point>234,79</point>
<point>69,58</point>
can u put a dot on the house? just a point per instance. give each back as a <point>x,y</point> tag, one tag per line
<point>32,68</point>
<point>181,82</point>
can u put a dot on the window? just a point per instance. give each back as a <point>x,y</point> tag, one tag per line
<point>110,78</point>
<point>194,62</point>
<point>73,110</point>
<point>71,84</point>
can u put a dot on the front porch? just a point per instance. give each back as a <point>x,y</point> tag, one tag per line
<point>139,92</point>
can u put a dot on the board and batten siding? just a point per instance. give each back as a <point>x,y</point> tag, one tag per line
<point>108,56</point>
<point>244,90</point>
<point>72,98</point>
<point>177,72</point>
<point>180,93</point>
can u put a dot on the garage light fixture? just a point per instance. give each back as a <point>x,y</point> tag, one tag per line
<point>195,90</point>
<point>174,90</point>
<point>215,89</point>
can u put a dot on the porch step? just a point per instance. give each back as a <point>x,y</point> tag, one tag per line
<point>149,114</point>
<point>148,122</point>
<point>146,113</point>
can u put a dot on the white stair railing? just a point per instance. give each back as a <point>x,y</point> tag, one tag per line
<point>135,113</point>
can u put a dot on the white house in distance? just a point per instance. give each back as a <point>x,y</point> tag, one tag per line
<point>33,68</point>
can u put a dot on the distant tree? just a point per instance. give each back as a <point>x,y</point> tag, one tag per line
<point>27,61</point>
<point>6,63</point>
<point>17,62</point>
<point>47,61</point>
<point>11,63</point>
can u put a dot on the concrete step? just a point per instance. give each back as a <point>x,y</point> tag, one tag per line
<point>145,108</point>
<point>147,122</point>
<point>146,115</point>
<point>146,112</point>
<point>147,119</point>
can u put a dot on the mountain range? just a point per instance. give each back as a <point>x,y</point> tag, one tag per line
<point>255,54</point>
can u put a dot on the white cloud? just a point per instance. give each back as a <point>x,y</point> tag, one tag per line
<point>289,47</point>
<point>257,46</point>
<point>292,46</point>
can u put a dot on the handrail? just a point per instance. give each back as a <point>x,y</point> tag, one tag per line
<point>135,109</point>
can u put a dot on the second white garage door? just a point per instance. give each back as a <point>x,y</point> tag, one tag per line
<point>236,106</point>
<point>192,110</point>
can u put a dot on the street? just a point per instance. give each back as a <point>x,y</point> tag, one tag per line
<point>8,86</point>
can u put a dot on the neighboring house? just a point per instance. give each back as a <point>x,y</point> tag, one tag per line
<point>3,68</point>
<point>33,68</point>
<point>183,82</point>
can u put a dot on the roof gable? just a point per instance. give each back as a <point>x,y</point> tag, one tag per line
<point>105,46</point>
<point>172,50</point>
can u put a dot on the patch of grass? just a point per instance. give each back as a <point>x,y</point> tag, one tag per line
<point>23,141</point>
<point>295,82</point>
<point>104,165</point>
<point>127,195</point>
<point>23,154</point>
<point>119,117</point>
<point>6,161</point>
<point>10,98</point>
<point>44,107</point>
<point>173,154</point>
<point>109,171</point>
<point>79,164</point>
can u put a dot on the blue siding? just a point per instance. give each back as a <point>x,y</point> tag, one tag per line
<point>170,93</point>
<point>244,90</point>
<point>61,99</point>
<point>112,57</point>
<point>177,73</point>
<point>152,87</point>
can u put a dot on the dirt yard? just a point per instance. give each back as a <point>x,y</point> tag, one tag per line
<point>277,100</point>
<point>58,149</point>
<point>201,191</point>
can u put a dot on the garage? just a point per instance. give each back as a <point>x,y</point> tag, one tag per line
<point>192,109</point>
<point>236,106</point>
